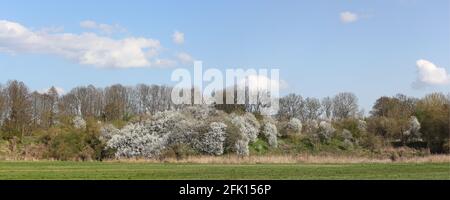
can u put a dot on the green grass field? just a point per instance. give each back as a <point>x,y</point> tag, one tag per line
<point>148,171</point>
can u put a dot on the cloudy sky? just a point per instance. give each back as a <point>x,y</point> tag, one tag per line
<point>371,48</point>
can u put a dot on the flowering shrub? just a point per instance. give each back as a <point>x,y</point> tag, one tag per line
<point>248,126</point>
<point>413,133</point>
<point>294,126</point>
<point>212,142</point>
<point>178,128</point>
<point>134,140</point>
<point>241,147</point>
<point>108,131</point>
<point>270,132</point>
<point>325,131</point>
<point>248,130</point>
<point>79,123</point>
<point>348,138</point>
<point>168,129</point>
<point>362,126</point>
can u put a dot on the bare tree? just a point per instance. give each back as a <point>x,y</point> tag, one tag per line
<point>115,102</point>
<point>291,106</point>
<point>312,109</point>
<point>327,107</point>
<point>345,105</point>
<point>18,107</point>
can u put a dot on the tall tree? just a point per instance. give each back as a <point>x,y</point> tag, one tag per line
<point>345,105</point>
<point>312,109</point>
<point>433,112</point>
<point>115,102</point>
<point>327,107</point>
<point>291,106</point>
<point>19,109</point>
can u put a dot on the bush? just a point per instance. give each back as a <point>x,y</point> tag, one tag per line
<point>270,132</point>
<point>348,139</point>
<point>248,131</point>
<point>78,122</point>
<point>135,140</point>
<point>212,142</point>
<point>241,147</point>
<point>248,126</point>
<point>70,145</point>
<point>325,131</point>
<point>108,131</point>
<point>413,133</point>
<point>293,127</point>
<point>371,142</point>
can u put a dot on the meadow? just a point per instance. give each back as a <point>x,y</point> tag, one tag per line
<point>57,170</point>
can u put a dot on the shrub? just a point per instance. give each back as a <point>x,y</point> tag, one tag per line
<point>270,132</point>
<point>108,131</point>
<point>212,142</point>
<point>311,126</point>
<point>362,126</point>
<point>348,139</point>
<point>69,145</point>
<point>325,131</point>
<point>79,123</point>
<point>294,127</point>
<point>241,147</point>
<point>371,141</point>
<point>134,140</point>
<point>248,131</point>
<point>413,133</point>
<point>248,126</point>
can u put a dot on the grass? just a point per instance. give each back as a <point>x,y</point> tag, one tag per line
<point>160,171</point>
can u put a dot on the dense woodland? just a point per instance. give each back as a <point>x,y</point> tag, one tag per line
<point>90,123</point>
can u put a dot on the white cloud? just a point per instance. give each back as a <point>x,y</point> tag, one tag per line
<point>164,63</point>
<point>178,37</point>
<point>261,83</point>
<point>85,48</point>
<point>88,24</point>
<point>103,28</point>
<point>430,74</point>
<point>348,17</point>
<point>185,58</point>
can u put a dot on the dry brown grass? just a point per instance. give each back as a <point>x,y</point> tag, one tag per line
<point>231,159</point>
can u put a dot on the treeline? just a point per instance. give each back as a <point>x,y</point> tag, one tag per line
<point>97,123</point>
<point>391,118</point>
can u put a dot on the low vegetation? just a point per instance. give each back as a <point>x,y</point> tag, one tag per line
<point>123,123</point>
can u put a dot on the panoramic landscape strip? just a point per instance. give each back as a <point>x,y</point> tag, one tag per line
<point>225,90</point>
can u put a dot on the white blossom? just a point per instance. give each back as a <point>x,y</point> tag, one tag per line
<point>108,131</point>
<point>241,147</point>
<point>325,131</point>
<point>212,142</point>
<point>362,125</point>
<point>347,138</point>
<point>270,132</point>
<point>79,123</point>
<point>413,133</point>
<point>248,126</point>
<point>135,140</point>
<point>295,126</point>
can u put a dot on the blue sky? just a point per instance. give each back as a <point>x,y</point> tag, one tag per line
<point>371,48</point>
